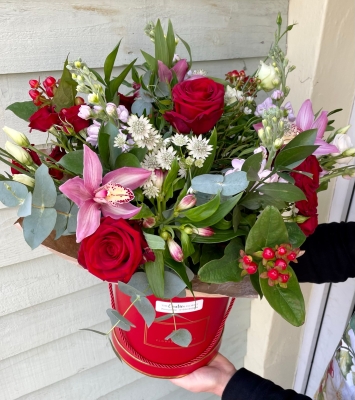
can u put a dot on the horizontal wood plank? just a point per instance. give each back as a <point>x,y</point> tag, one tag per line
<point>215,30</point>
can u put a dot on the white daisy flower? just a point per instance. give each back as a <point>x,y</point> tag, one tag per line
<point>150,162</point>
<point>199,148</point>
<point>149,142</point>
<point>120,140</point>
<point>199,163</point>
<point>165,157</point>
<point>180,140</point>
<point>139,128</point>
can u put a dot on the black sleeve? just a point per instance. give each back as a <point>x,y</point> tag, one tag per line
<point>330,254</point>
<point>244,385</point>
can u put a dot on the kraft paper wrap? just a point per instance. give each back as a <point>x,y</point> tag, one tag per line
<point>67,248</point>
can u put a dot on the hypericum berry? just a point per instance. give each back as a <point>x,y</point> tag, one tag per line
<point>247,260</point>
<point>292,256</point>
<point>34,83</point>
<point>273,274</point>
<point>34,94</point>
<point>50,91</point>
<point>284,278</point>
<point>282,264</point>
<point>79,101</point>
<point>50,81</point>
<point>281,251</point>
<point>252,268</point>
<point>268,253</point>
<point>38,101</point>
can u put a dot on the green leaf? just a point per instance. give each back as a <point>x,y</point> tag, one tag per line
<point>293,157</point>
<point>287,177</point>
<point>179,268</point>
<point>182,337</point>
<point>288,302</point>
<point>268,231</point>
<point>111,130</point>
<point>255,200</point>
<point>73,162</point>
<point>145,309</point>
<point>116,83</point>
<point>225,269</point>
<point>252,166</point>
<point>169,180</point>
<point>151,61</point>
<point>114,350</point>
<point>127,160</point>
<point>187,247</point>
<point>295,234</point>
<point>187,48</point>
<point>161,47</point>
<point>170,41</point>
<point>218,236</point>
<point>283,191</point>
<point>98,76</point>
<point>207,165</point>
<point>173,285</point>
<point>305,138</point>
<point>139,153</point>
<point>155,274</point>
<point>236,218</point>
<point>23,109</point>
<point>104,147</point>
<point>64,96</point>
<point>204,211</point>
<point>154,242</point>
<point>38,225</point>
<point>345,361</point>
<point>254,279</point>
<point>93,330</point>
<point>109,62</point>
<point>119,320</point>
<point>12,194</point>
<point>62,204</point>
<point>145,212</point>
<point>44,193</point>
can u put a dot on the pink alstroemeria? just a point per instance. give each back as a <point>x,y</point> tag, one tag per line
<point>305,120</point>
<point>165,74</point>
<point>110,194</point>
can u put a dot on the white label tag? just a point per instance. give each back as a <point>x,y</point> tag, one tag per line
<point>179,308</point>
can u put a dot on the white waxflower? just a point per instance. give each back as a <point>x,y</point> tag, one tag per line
<point>149,142</point>
<point>180,140</point>
<point>151,191</point>
<point>139,128</point>
<point>120,140</point>
<point>165,157</point>
<point>150,162</point>
<point>199,163</point>
<point>182,172</point>
<point>199,148</point>
<point>247,111</point>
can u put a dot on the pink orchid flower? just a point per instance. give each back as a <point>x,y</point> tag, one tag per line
<point>305,120</point>
<point>110,194</point>
<point>165,74</point>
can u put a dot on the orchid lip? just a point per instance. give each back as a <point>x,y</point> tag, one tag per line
<point>113,194</point>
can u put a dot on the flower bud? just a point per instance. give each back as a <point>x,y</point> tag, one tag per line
<point>77,64</point>
<point>188,230</point>
<point>274,120</point>
<point>268,132</point>
<point>186,203</point>
<point>278,143</point>
<point>18,137</point>
<point>349,152</point>
<point>34,83</point>
<point>79,101</point>
<point>25,179</point>
<point>175,250</point>
<point>264,122</point>
<point>268,76</point>
<point>281,125</point>
<point>204,231</point>
<point>341,131</point>
<point>261,134</point>
<point>277,94</point>
<point>74,76</point>
<point>18,153</point>
<point>49,82</point>
<point>111,110</point>
<point>300,219</point>
<point>165,235</point>
<point>93,98</point>
<point>123,113</point>
<point>82,89</point>
<point>148,222</point>
<point>279,19</point>
<point>34,94</point>
<point>85,112</point>
<point>160,175</point>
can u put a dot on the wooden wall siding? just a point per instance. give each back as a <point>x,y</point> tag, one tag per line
<point>44,300</point>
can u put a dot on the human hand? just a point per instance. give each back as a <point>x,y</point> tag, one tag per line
<point>213,378</point>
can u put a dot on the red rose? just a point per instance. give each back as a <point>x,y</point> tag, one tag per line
<point>114,251</point>
<point>44,118</point>
<point>309,226</point>
<point>127,101</point>
<point>198,105</point>
<point>57,153</point>
<point>70,116</point>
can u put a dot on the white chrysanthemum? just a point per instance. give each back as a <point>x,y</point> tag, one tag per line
<point>199,148</point>
<point>151,191</point>
<point>139,128</point>
<point>120,140</point>
<point>247,111</point>
<point>149,142</point>
<point>165,157</point>
<point>199,163</point>
<point>189,161</point>
<point>150,162</point>
<point>180,140</point>
<point>150,181</point>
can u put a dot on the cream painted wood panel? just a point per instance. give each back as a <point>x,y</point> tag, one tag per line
<point>36,34</point>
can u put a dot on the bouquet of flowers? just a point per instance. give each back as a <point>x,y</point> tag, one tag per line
<point>187,175</point>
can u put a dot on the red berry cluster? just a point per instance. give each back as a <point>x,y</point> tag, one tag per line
<point>276,261</point>
<point>239,79</point>
<point>41,94</point>
<point>247,264</point>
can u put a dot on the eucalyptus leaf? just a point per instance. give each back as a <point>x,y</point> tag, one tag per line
<point>145,309</point>
<point>208,183</point>
<point>227,185</point>
<point>119,320</point>
<point>140,106</point>
<point>25,208</point>
<point>38,225</point>
<point>178,268</point>
<point>173,285</point>
<point>129,290</point>
<point>73,218</point>
<point>181,337</point>
<point>12,194</point>
<point>63,206</point>
<point>114,350</point>
<point>44,193</point>
<point>162,90</point>
<point>140,282</point>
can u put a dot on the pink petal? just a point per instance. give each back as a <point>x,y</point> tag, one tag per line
<point>92,169</point>
<point>324,148</point>
<point>76,191</point>
<point>180,69</point>
<point>321,124</point>
<point>88,220</point>
<point>128,177</point>
<point>258,126</point>
<point>124,211</point>
<point>305,116</point>
<point>164,73</point>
